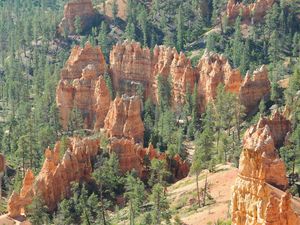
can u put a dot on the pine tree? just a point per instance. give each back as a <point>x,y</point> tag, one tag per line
<point>78,25</point>
<point>179,26</point>
<point>135,194</point>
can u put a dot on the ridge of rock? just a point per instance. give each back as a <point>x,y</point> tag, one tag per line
<point>53,183</point>
<point>258,194</point>
<point>133,156</point>
<point>254,11</point>
<point>83,87</point>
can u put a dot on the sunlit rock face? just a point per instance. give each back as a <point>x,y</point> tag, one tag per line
<point>77,8</point>
<point>133,156</point>
<point>82,86</point>
<point>254,11</point>
<point>258,195</point>
<point>214,69</point>
<point>133,66</point>
<point>124,119</point>
<point>59,170</point>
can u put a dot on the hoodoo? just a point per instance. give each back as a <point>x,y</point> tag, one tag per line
<point>259,195</point>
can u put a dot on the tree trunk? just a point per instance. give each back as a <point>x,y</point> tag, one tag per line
<point>204,191</point>
<point>198,191</point>
<point>102,204</point>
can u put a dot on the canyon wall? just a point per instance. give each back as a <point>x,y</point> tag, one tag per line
<point>82,86</point>
<point>77,8</point>
<point>134,71</point>
<point>254,11</point>
<point>59,170</point>
<point>258,194</point>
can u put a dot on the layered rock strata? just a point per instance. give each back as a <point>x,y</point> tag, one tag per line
<point>258,194</point>
<point>131,64</point>
<point>134,156</point>
<point>254,11</point>
<point>82,9</point>
<point>124,119</point>
<point>134,69</point>
<point>214,69</point>
<point>53,183</point>
<point>82,86</point>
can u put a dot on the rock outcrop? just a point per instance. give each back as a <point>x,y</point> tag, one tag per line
<point>258,194</point>
<point>214,69</point>
<point>83,87</point>
<point>18,202</point>
<point>53,183</point>
<point>132,66</point>
<point>134,156</point>
<point>134,69</point>
<point>254,89</point>
<point>82,9</point>
<point>124,119</point>
<point>254,11</point>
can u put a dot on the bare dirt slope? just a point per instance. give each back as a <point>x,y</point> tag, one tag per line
<point>182,196</point>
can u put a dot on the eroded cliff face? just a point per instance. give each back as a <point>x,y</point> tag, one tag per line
<point>258,194</point>
<point>254,11</point>
<point>83,87</point>
<point>53,183</point>
<point>255,88</point>
<point>214,69</point>
<point>81,8</point>
<point>124,119</point>
<point>133,156</point>
<point>133,66</point>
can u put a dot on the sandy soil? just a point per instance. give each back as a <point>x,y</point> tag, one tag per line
<point>220,189</point>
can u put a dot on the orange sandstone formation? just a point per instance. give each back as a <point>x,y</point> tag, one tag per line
<point>214,69</point>
<point>77,8</point>
<point>134,156</point>
<point>54,180</point>
<point>258,194</point>
<point>254,89</point>
<point>17,202</point>
<point>82,86</point>
<point>255,11</point>
<point>124,119</point>
<point>132,65</point>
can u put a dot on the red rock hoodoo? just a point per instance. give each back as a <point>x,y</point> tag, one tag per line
<point>77,8</point>
<point>133,66</point>
<point>124,119</point>
<point>132,156</point>
<point>82,86</point>
<point>254,11</point>
<point>214,69</point>
<point>258,194</point>
<point>54,180</point>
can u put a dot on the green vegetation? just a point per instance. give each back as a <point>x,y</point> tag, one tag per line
<point>32,55</point>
